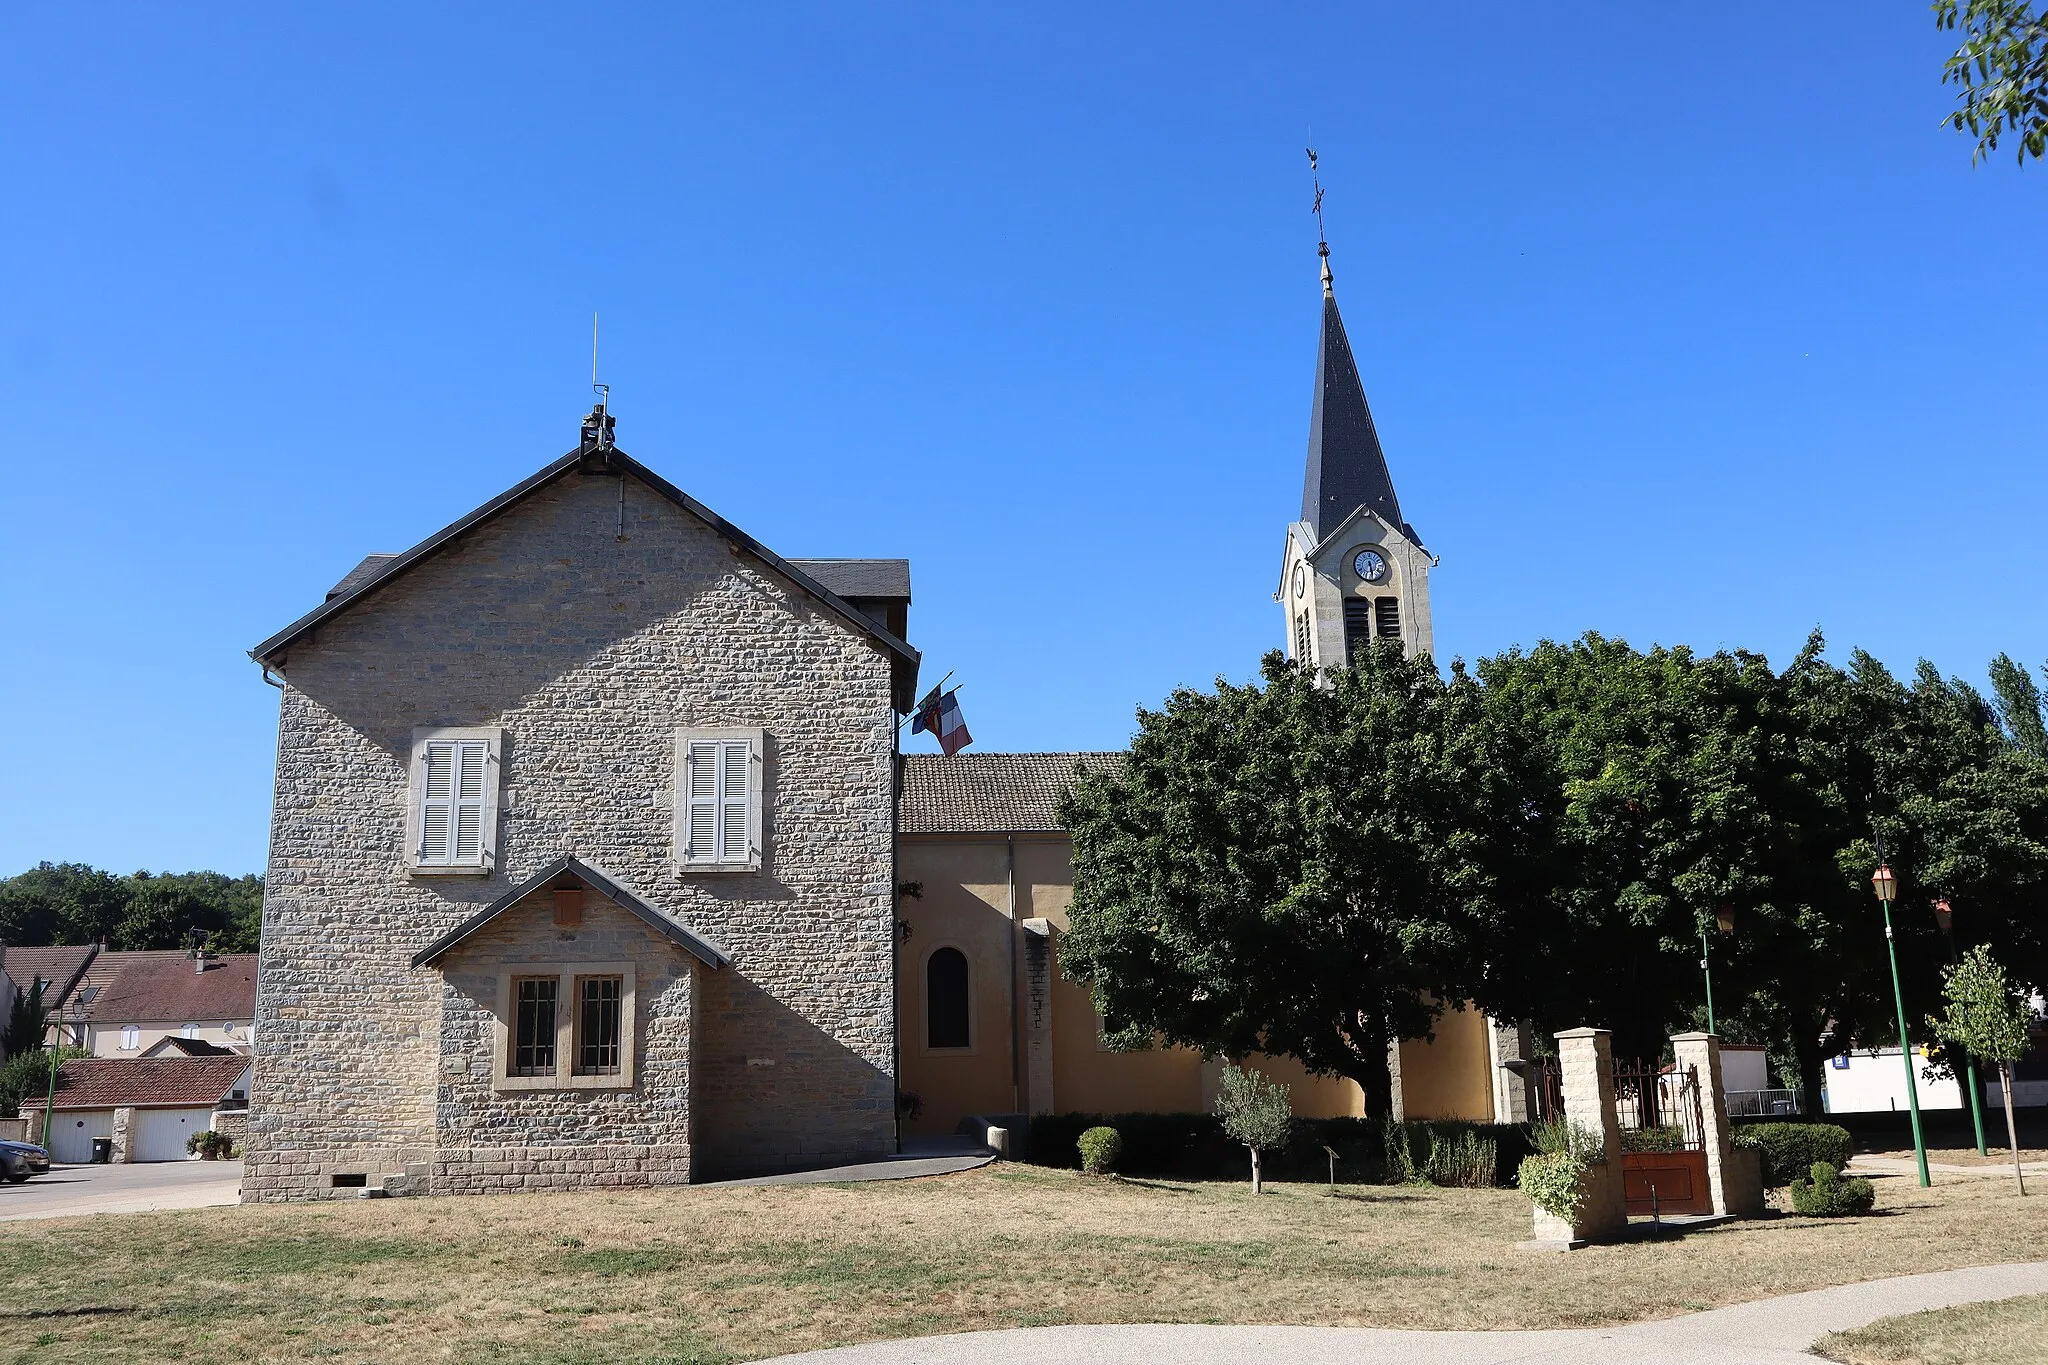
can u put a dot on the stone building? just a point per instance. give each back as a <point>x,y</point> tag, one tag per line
<point>593,860</point>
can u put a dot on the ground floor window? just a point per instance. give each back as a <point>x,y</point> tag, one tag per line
<point>947,1016</point>
<point>533,1044</point>
<point>565,1026</point>
<point>598,1001</point>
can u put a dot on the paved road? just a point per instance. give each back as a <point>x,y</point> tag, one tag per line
<point>68,1191</point>
<point>1769,1332</point>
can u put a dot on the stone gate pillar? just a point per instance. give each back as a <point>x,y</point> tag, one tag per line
<point>1513,1092</point>
<point>1734,1178</point>
<point>1586,1076</point>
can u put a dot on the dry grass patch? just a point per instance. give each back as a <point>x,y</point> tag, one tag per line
<point>733,1274</point>
<point>2008,1332</point>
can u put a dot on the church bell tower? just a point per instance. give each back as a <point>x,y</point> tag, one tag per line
<point>1354,571</point>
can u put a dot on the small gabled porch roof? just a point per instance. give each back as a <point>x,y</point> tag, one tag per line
<point>613,890</point>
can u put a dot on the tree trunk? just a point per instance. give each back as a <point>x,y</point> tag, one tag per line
<point>2012,1132</point>
<point>1258,1184</point>
<point>1373,1075</point>
<point>1812,1068</point>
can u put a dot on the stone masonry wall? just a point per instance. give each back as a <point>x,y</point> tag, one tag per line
<point>488,1139</point>
<point>590,648</point>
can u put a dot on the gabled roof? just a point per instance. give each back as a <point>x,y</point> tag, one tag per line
<point>863,579</point>
<point>613,890</point>
<point>369,576</point>
<point>154,1082</point>
<point>187,1047</point>
<point>168,986</point>
<point>983,793</point>
<point>1346,467</point>
<point>60,966</point>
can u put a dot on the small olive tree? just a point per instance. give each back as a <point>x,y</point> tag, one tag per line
<point>1256,1111</point>
<point>1987,1017</point>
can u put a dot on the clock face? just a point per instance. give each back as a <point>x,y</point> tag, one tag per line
<point>1300,579</point>
<point>1370,565</point>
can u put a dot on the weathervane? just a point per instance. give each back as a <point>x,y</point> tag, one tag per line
<point>1322,236</point>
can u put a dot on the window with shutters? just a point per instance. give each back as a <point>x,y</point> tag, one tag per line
<point>720,781</point>
<point>452,825</point>
<point>1357,628</point>
<point>1302,653</point>
<point>565,1026</point>
<point>1388,611</point>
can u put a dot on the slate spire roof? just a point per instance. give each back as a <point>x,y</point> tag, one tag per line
<point>1346,467</point>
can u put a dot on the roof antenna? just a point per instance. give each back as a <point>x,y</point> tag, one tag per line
<point>597,427</point>
<point>1322,237</point>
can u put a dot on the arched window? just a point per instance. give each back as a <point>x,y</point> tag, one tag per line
<point>945,995</point>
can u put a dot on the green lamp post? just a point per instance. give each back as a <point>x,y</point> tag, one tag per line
<point>1944,915</point>
<point>1724,920</point>
<point>1887,887</point>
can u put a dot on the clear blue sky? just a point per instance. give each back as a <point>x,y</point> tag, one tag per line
<point>1686,324</point>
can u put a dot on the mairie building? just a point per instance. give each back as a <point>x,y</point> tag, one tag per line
<point>595,861</point>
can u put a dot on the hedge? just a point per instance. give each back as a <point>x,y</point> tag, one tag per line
<point>1193,1147</point>
<point>1790,1149</point>
<point>1824,1194</point>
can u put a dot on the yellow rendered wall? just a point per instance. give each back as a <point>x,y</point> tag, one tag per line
<point>965,905</point>
<point>1449,1078</point>
<point>1313,1097</point>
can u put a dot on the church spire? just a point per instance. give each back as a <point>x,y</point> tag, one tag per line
<point>1346,467</point>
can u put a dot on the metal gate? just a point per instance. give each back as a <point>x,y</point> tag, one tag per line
<point>1663,1139</point>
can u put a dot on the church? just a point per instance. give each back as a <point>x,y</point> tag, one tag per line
<point>595,861</point>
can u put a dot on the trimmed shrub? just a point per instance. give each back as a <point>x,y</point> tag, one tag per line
<point>1825,1194</point>
<point>1551,1180</point>
<point>1790,1148</point>
<point>1193,1147</point>
<point>1099,1147</point>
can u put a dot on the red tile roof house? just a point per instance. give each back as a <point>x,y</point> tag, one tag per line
<point>148,1108</point>
<point>60,969</point>
<point>129,1002</point>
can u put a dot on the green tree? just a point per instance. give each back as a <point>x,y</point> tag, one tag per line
<point>61,903</point>
<point>26,1076</point>
<point>1988,1017</point>
<point>1292,868</point>
<point>2001,71</point>
<point>26,1019</point>
<point>1256,1111</point>
<point>2019,705</point>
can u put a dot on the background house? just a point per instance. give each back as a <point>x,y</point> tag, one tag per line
<point>147,1108</point>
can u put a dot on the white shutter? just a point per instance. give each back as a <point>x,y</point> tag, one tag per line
<point>437,807</point>
<point>733,785</point>
<point>703,799</point>
<point>452,802</point>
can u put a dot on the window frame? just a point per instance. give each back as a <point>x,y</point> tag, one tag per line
<point>567,975</point>
<point>493,739</point>
<point>755,738</point>
<point>924,985</point>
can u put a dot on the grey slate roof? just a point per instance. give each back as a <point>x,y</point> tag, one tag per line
<point>1346,467</point>
<point>613,890</point>
<point>362,573</point>
<point>375,575</point>
<point>861,578</point>
<point>990,793</point>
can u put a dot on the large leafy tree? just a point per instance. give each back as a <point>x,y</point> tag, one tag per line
<point>2001,70</point>
<point>74,903</point>
<point>1306,866</point>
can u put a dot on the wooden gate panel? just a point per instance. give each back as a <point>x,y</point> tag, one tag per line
<point>1665,1183</point>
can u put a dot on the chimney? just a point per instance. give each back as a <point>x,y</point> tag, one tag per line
<point>596,443</point>
<point>201,960</point>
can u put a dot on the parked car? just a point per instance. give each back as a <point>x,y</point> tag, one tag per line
<point>20,1160</point>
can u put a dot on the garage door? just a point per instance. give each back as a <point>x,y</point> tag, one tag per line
<point>71,1134</point>
<point>159,1134</point>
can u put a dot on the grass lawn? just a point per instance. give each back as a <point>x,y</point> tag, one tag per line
<point>734,1274</point>
<point>2009,1332</point>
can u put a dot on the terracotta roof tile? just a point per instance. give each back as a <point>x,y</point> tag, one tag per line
<point>105,1082</point>
<point>990,793</point>
<point>165,987</point>
<point>59,966</point>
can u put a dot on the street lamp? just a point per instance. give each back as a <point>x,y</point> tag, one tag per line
<point>1944,915</point>
<point>1887,887</point>
<point>1724,920</point>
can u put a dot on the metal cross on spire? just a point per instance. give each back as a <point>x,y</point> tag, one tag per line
<point>1322,236</point>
